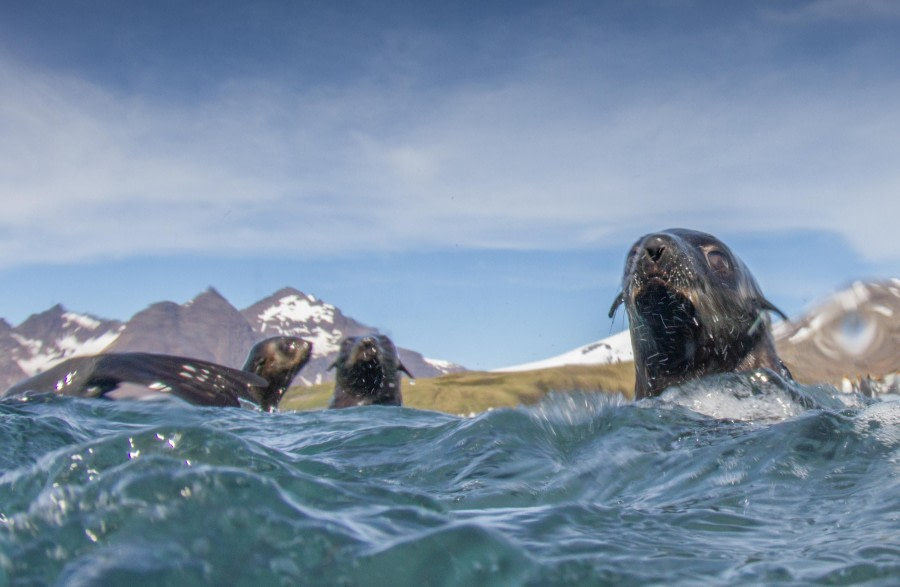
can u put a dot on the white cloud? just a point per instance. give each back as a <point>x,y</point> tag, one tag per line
<point>549,156</point>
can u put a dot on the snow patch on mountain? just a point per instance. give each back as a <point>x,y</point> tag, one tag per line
<point>446,366</point>
<point>43,355</point>
<point>297,308</point>
<point>301,315</point>
<point>73,320</point>
<point>843,307</point>
<point>613,349</point>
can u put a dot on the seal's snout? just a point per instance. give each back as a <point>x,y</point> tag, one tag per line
<point>657,257</point>
<point>655,248</point>
<point>367,349</point>
<point>294,347</point>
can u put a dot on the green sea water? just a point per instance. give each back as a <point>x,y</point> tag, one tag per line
<point>731,481</point>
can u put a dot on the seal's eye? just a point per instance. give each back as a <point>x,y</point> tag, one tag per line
<point>719,262</point>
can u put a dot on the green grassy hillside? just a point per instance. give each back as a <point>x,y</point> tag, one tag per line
<point>476,391</point>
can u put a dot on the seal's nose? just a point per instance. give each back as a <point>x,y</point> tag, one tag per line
<point>655,248</point>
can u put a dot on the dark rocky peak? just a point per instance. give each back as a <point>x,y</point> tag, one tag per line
<point>207,327</point>
<point>210,299</point>
<point>43,324</point>
<point>57,322</point>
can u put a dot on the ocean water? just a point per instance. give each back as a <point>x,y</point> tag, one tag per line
<point>734,480</point>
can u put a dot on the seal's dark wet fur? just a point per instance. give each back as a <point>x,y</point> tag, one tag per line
<point>694,309</point>
<point>367,372</point>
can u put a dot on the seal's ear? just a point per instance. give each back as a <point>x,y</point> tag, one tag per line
<point>767,305</point>
<point>403,368</point>
<point>616,303</point>
<point>255,365</point>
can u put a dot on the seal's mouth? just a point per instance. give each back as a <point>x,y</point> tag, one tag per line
<point>658,295</point>
<point>668,319</point>
<point>366,376</point>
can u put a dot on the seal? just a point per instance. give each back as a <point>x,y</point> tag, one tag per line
<point>277,360</point>
<point>270,366</point>
<point>694,309</point>
<point>367,372</point>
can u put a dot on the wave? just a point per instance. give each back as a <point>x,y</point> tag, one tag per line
<point>734,480</point>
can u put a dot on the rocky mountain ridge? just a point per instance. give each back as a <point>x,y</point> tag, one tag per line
<point>206,327</point>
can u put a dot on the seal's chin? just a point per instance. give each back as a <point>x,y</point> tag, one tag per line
<point>668,316</point>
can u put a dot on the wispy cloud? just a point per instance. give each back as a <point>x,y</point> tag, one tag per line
<point>838,10</point>
<point>569,148</point>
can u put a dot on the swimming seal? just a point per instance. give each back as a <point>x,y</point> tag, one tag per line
<point>367,372</point>
<point>277,360</point>
<point>694,309</point>
<point>270,366</point>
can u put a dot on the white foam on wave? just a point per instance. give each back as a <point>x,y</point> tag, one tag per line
<point>756,396</point>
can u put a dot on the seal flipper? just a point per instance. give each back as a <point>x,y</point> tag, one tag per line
<point>193,380</point>
<point>71,377</point>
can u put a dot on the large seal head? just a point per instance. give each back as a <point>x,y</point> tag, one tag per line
<point>367,372</point>
<point>694,309</point>
<point>277,360</point>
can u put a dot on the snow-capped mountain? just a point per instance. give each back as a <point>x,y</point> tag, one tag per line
<point>291,312</point>
<point>207,327</point>
<point>851,334</point>
<point>45,339</point>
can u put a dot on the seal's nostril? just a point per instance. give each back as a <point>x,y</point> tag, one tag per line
<point>655,250</point>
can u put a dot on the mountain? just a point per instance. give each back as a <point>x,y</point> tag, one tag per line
<point>847,337</point>
<point>10,371</point>
<point>852,334</point>
<point>56,334</point>
<point>207,327</point>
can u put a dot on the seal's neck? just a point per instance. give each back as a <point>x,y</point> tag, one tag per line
<point>656,371</point>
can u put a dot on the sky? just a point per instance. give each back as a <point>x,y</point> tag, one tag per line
<point>465,176</point>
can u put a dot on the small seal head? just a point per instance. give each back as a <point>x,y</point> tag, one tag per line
<point>277,360</point>
<point>367,372</point>
<point>694,309</point>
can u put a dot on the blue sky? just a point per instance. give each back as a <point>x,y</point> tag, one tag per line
<point>466,176</point>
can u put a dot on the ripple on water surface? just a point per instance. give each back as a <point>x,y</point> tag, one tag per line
<point>762,484</point>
